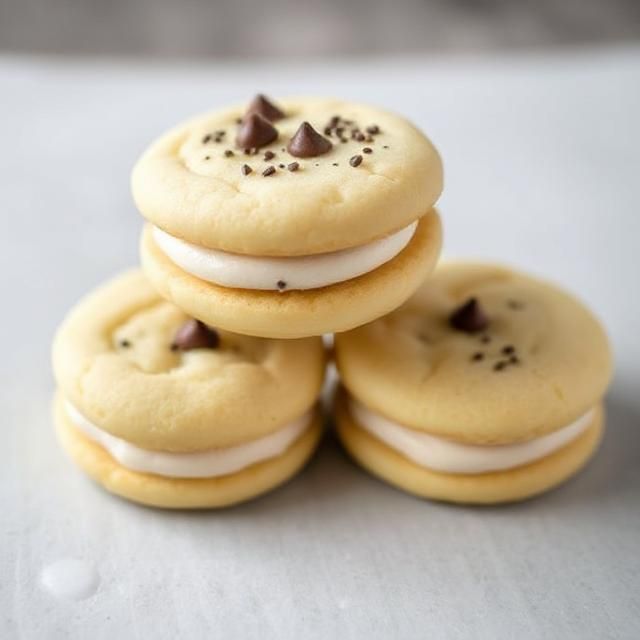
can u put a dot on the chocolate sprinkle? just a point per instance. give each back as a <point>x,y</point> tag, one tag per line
<point>294,166</point>
<point>367,150</point>
<point>246,169</point>
<point>373,129</point>
<point>500,365</point>
<point>194,334</point>
<point>228,153</point>
<point>254,132</point>
<point>469,318</point>
<point>308,143</point>
<point>355,161</point>
<point>264,107</point>
<point>269,155</point>
<point>207,138</point>
<point>125,344</point>
<point>269,171</point>
<point>508,350</point>
<point>281,166</point>
<point>281,284</point>
<point>476,357</point>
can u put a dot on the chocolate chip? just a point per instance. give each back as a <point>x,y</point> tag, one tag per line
<point>281,284</point>
<point>246,169</point>
<point>373,129</point>
<point>194,334</point>
<point>269,171</point>
<point>308,143</point>
<point>355,161</point>
<point>508,350</point>
<point>469,317</point>
<point>367,150</point>
<point>264,107</point>
<point>500,365</point>
<point>476,357</point>
<point>125,344</point>
<point>294,166</point>
<point>255,132</point>
<point>269,155</point>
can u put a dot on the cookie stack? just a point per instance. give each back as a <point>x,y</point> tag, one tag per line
<point>196,383</point>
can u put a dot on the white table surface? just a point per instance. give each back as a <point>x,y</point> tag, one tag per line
<point>543,171</point>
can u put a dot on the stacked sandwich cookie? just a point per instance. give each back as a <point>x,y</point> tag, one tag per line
<point>292,219</point>
<point>163,410</point>
<point>485,387</point>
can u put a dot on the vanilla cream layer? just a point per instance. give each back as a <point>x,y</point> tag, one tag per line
<point>439,454</point>
<point>268,273</point>
<point>200,464</point>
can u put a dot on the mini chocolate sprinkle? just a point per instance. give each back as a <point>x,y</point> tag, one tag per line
<point>281,284</point>
<point>385,146</point>
<point>207,157</point>
<point>294,166</point>
<point>334,120</point>
<point>246,169</point>
<point>373,129</point>
<point>173,347</point>
<point>359,136</point>
<point>238,120</point>
<point>327,131</point>
<point>500,365</point>
<point>514,360</point>
<point>469,317</point>
<point>207,138</point>
<point>221,132</point>
<point>281,166</point>
<point>269,155</point>
<point>228,153</point>
<point>335,164</point>
<point>485,339</point>
<point>125,344</point>
<point>269,171</point>
<point>369,139</point>
<point>308,143</point>
<point>515,305</point>
<point>476,357</point>
<point>355,161</point>
<point>367,150</point>
<point>343,140</point>
<point>508,350</point>
<point>348,122</point>
<point>194,334</point>
<point>247,152</point>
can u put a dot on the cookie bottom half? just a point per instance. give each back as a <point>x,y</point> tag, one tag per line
<point>496,487</point>
<point>184,493</point>
<point>298,314</point>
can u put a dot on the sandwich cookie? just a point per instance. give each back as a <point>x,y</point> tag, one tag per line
<point>486,386</point>
<point>166,411</point>
<point>289,220</point>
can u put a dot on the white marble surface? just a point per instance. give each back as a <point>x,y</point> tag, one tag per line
<point>543,171</point>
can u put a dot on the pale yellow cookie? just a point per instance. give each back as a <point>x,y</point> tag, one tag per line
<point>190,182</point>
<point>164,410</point>
<point>484,374</point>
<point>184,493</point>
<point>295,314</point>
<point>509,485</point>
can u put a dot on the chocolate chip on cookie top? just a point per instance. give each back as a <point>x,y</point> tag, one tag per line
<point>264,107</point>
<point>194,334</point>
<point>255,132</point>
<point>469,317</point>
<point>308,143</point>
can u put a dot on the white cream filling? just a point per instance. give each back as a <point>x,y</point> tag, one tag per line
<point>447,456</point>
<point>201,464</point>
<point>299,272</point>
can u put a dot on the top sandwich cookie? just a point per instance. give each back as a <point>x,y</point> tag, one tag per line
<point>327,202</point>
<point>165,410</point>
<point>485,386</point>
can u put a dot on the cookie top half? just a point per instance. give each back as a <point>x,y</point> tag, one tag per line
<point>481,354</point>
<point>121,360</point>
<point>321,175</point>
